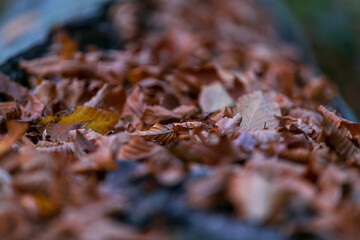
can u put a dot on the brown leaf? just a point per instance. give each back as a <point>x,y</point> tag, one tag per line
<point>159,133</point>
<point>258,110</point>
<point>108,98</point>
<point>214,97</point>
<point>13,90</point>
<point>350,129</point>
<point>228,125</point>
<point>138,148</point>
<point>103,159</point>
<point>153,114</point>
<point>34,109</point>
<point>55,147</point>
<point>51,66</point>
<point>185,127</point>
<point>254,197</point>
<point>61,132</point>
<point>262,136</point>
<point>15,131</point>
<point>9,111</point>
<point>296,125</point>
<point>341,143</point>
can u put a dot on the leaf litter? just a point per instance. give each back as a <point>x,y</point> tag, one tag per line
<point>208,121</point>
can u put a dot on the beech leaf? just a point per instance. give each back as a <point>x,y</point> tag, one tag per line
<point>159,133</point>
<point>258,110</point>
<point>228,125</point>
<point>214,97</point>
<point>100,120</point>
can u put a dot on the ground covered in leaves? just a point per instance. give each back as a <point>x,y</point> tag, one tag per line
<point>206,125</point>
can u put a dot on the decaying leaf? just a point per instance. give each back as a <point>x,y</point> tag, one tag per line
<point>255,198</point>
<point>182,160</point>
<point>258,110</point>
<point>214,97</point>
<point>340,142</point>
<point>228,125</point>
<point>15,131</point>
<point>159,133</point>
<point>350,129</point>
<point>153,114</point>
<point>9,111</point>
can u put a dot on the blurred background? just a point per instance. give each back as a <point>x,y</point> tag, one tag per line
<point>331,27</point>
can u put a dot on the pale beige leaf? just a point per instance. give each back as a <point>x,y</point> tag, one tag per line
<point>214,97</point>
<point>257,110</point>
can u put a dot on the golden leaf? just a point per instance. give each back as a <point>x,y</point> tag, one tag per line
<point>100,120</point>
<point>159,133</point>
<point>257,110</point>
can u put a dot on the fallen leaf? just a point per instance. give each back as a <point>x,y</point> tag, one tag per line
<point>228,125</point>
<point>159,133</point>
<point>153,114</point>
<point>13,90</point>
<point>350,129</point>
<point>213,97</point>
<point>15,131</point>
<point>255,198</point>
<point>9,111</point>
<point>340,142</point>
<point>100,120</point>
<point>258,110</point>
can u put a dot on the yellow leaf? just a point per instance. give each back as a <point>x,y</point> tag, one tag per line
<point>257,110</point>
<point>100,120</point>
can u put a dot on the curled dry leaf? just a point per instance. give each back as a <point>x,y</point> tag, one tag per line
<point>350,129</point>
<point>159,133</point>
<point>137,149</point>
<point>296,125</point>
<point>13,90</point>
<point>34,109</point>
<point>9,111</point>
<point>227,160</point>
<point>15,131</point>
<point>153,114</point>
<point>55,147</point>
<point>61,132</point>
<point>214,97</point>
<point>258,110</point>
<point>108,98</point>
<point>228,125</point>
<point>341,143</point>
<point>185,127</point>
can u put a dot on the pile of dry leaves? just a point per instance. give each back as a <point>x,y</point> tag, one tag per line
<point>205,120</point>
